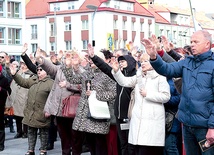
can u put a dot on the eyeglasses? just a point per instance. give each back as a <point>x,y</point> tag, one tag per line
<point>2,57</point>
<point>39,69</point>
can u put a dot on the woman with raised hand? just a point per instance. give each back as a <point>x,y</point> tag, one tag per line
<point>62,89</point>
<point>95,130</point>
<point>147,123</point>
<point>34,117</point>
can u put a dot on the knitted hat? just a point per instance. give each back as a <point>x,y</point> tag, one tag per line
<point>0,68</point>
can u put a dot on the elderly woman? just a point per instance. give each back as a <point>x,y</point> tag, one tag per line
<point>60,91</point>
<point>147,123</point>
<point>39,88</point>
<point>95,130</point>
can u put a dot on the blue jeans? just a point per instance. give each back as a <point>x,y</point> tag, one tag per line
<point>192,136</point>
<point>171,144</point>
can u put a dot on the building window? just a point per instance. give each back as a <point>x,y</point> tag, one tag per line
<point>161,32</point>
<point>68,26</point>
<point>124,25</point>
<point>1,9</point>
<point>34,47</point>
<point>124,44</point>
<point>53,46</point>
<point>33,31</point>
<point>115,24</point>
<point>133,26</point>
<point>149,32</point>
<point>52,33</point>
<point>85,24</point>
<point>68,45</point>
<point>71,6</point>
<point>141,27</point>
<point>85,44</point>
<point>14,36</point>
<point>115,44</point>
<point>2,35</point>
<point>13,9</point>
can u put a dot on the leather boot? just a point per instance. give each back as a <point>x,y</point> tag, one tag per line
<point>2,139</point>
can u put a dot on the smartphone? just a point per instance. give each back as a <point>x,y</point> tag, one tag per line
<point>88,85</point>
<point>205,146</point>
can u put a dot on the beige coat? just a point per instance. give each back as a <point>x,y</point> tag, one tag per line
<point>54,102</point>
<point>18,96</point>
<point>147,124</point>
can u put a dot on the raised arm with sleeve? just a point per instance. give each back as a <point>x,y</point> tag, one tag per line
<point>29,63</point>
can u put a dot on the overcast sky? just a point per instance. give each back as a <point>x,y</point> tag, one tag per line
<point>200,5</point>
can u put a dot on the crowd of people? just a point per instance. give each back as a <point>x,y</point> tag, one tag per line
<point>162,79</point>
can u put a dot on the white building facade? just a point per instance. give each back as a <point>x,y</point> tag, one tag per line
<point>12,26</point>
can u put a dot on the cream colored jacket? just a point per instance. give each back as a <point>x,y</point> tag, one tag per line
<point>147,124</point>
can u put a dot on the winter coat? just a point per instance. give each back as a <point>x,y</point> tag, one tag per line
<point>19,95</point>
<point>196,108</point>
<point>147,123</point>
<point>5,89</point>
<point>4,92</point>
<point>37,96</point>
<point>123,93</point>
<point>105,91</point>
<point>54,102</point>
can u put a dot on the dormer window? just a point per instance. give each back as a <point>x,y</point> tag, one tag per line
<point>71,6</point>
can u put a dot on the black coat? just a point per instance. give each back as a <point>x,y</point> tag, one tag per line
<point>4,92</point>
<point>123,93</point>
<point>5,89</point>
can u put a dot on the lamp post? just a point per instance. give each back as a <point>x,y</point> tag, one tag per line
<point>92,7</point>
<point>55,28</point>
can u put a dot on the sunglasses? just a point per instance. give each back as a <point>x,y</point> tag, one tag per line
<point>39,69</point>
<point>2,57</point>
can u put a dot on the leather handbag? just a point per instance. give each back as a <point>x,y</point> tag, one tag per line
<point>9,111</point>
<point>70,105</point>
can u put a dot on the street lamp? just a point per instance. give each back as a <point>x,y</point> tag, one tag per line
<point>92,7</point>
<point>55,29</point>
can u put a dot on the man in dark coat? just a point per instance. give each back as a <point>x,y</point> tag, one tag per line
<point>4,92</point>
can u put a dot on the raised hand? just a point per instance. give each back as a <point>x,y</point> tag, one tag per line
<point>24,48</point>
<point>166,44</point>
<point>90,50</point>
<point>13,70</point>
<point>150,48</point>
<point>114,64</point>
<point>156,42</point>
<point>38,53</point>
<point>60,55</point>
<point>7,59</point>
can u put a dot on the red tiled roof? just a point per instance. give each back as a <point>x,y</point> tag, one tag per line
<point>138,8</point>
<point>37,8</point>
<point>158,18</point>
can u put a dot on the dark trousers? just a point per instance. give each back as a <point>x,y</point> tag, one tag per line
<point>2,130</point>
<point>97,143</point>
<point>148,150</point>
<point>69,137</point>
<point>52,132</point>
<point>126,149</point>
<point>32,138</point>
<point>21,128</point>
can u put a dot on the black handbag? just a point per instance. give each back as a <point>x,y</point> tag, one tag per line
<point>169,120</point>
